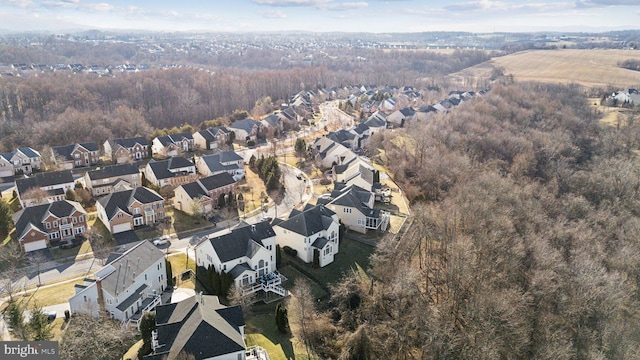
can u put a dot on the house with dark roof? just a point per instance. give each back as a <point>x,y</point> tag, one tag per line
<point>24,160</point>
<point>123,210</point>
<point>246,129</point>
<point>313,233</point>
<point>222,161</point>
<point>103,181</point>
<point>354,207</point>
<point>44,187</point>
<point>202,196</point>
<point>272,123</point>
<point>127,150</point>
<point>201,327</point>
<point>172,144</point>
<point>328,153</point>
<point>344,137</point>
<point>247,253</point>
<point>171,172</point>
<point>399,117</point>
<point>376,122</point>
<point>76,155</point>
<point>211,138</point>
<point>129,285</point>
<point>41,226</point>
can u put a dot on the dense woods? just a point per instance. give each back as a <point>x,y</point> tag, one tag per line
<point>523,243</point>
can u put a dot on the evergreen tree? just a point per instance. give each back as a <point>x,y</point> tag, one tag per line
<point>169,273</point>
<point>278,256</point>
<point>39,326</point>
<point>6,220</point>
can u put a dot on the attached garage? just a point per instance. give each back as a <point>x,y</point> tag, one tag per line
<point>121,227</point>
<point>35,245</point>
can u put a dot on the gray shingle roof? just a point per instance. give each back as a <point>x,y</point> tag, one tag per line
<point>66,150</point>
<point>162,169</point>
<point>127,266</point>
<point>245,124</point>
<point>200,326</point>
<point>34,215</point>
<point>44,179</point>
<point>123,199</point>
<point>238,242</point>
<point>353,197</point>
<point>202,186</point>
<point>174,138</point>
<point>129,142</point>
<point>309,222</point>
<point>113,171</point>
<point>221,161</point>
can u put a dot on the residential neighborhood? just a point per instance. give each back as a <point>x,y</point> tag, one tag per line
<point>138,190</point>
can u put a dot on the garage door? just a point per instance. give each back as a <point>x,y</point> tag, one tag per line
<point>121,227</point>
<point>35,245</point>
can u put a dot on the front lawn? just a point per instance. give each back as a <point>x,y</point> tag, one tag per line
<point>52,295</point>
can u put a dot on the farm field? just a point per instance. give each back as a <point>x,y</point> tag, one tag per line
<point>591,68</point>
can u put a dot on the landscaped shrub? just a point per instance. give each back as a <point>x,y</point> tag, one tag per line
<point>290,251</point>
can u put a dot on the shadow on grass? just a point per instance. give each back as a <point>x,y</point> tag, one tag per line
<point>262,331</point>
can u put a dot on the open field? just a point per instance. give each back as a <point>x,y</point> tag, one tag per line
<point>591,68</point>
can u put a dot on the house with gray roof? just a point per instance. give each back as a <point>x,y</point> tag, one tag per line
<point>122,151</point>
<point>127,286</point>
<point>123,210</point>
<point>105,180</point>
<point>44,187</point>
<point>272,123</point>
<point>171,172</point>
<point>201,196</point>
<point>222,161</point>
<point>41,226</point>
<point>247,253</point>
<point>344,137</point>
<point>313,233</point>
<point>246,129</point>
<point>376,122</point>
<point>24,160</point>
<point>211,138</point>
<point>172,144</point>
<point>76,155</point>
<point>354,207</point>
<point>200,327</point>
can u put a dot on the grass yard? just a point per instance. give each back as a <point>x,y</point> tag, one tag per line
<point>183,221</point>
<point>58,328</point>
<point>292,274</point>
<point>591,68</point>
<point>179,263</point>
<point>261,330</point>
<point>352,254</point>
<point>251,190</point>
<point>51,295</point>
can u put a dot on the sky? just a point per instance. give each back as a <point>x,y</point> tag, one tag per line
<point>479,16</point>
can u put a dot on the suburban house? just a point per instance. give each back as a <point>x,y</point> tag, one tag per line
<point>313,233</point>
<point>41,226</point>
<point>7,170</point>
<point>329,153</point>
<point>354,207</point>
<point>273,123</point>
<point>171,172</point>
<point>202,195</point>
<point>399,117</point>
<point>127,286</point>
<point>54,186</point>
<point>248,253</point>
<point>123,210</point>
<point>344,137</point>
<point>246,129</point>
<point>376,122</point>
<point>224,161</point>
<point>211,138</point>
<point>112,178</point>
<point>76,155</point>
<point>200,327</point>
<point>172,145</point>
<point>123,151</point>
<point>389,105</point>
<point>24,160</point>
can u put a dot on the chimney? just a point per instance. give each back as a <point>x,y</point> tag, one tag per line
<point>100,295</point>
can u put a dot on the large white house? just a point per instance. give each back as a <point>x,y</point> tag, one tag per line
<point>129,285</point>
<point>221,162</point>
<point>248,254</point>
<point>313,232</point>
<point>354,207</point>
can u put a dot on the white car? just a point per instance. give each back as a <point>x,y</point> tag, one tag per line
<point>161,240</point>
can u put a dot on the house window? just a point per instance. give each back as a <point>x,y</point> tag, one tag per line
<point>47,225</point>
<point>327,251</point>
<point>145,277</point>
<point>55,224</point>
<point>53,235</point>
<point>81,218</point>
<point>347,210</point>
<point>119,215</point>
<point>360,221</point>
<point>77,156</point>
<point>136,211</point>
<point>75,220</point>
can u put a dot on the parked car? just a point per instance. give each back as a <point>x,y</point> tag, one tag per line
<point>161,240</point>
